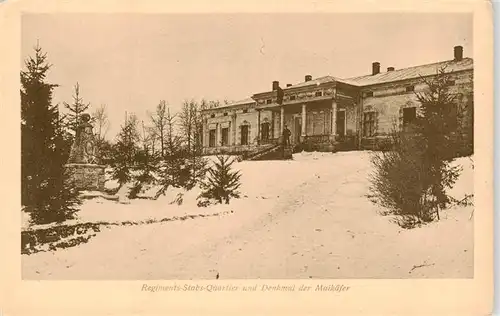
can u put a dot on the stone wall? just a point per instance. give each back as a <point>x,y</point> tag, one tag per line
<point>87,176</point>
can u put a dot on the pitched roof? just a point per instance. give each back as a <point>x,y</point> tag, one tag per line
<point>413,72</point>
<point>235,103</point>
<point>241,102</point>
<point>383,77</point>
<point>319,81</point>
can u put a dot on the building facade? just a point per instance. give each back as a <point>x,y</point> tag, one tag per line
<point>330,113</point>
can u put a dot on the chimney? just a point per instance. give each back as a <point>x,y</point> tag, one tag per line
<point>375,68</point>
<point>309,77</point>
<point>458,52</point>
<point>390,69</point>
<point>288,85</point>
<point>276,85</point>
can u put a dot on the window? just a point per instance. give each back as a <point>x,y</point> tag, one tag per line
<point>410,88</point>
<point>265,131</point>
<point>409,115</point>
<point>225,136</point>
<point>341,123</point>
<point>318,93</point>
<point>244,134</point>
<point>269,101</point>
<point>369,124</point>
<point>292,97</point>
<point>212,116</point>
<point>225,113</point>
<point>368,94</point>
<point>245,111</point>
<point>211,138</point>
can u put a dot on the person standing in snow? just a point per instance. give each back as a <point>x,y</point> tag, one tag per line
<point>286,136</point>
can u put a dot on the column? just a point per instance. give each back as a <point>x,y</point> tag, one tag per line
<point>303,134</point>
<point>218,138</point>
<point>233,129</point>
<point>204,133</point>
<point>216,132</point>
<point>282,122</point>
<point>333,131</point>
<point>258,126</point>
<point>272,124</point>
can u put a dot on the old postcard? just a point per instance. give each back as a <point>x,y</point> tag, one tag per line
<point>213,157</point>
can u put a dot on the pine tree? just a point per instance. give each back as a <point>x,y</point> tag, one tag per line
<point>145,172</point>
<point>47,192</point>
<point>125,150</point>
<point>77,108</point>
<point>145,166</point>
<point>438,126</point>
<point>106,152</point>
<point>222,183</point>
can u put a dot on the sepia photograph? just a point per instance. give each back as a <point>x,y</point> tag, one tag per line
<point>247,146</point>
<point>259,158</point>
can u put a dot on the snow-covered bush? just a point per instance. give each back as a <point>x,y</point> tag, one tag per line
<point>396,183</point>
<point>411,179</point>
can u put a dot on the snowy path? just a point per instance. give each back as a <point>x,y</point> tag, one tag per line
<point>320,226</point>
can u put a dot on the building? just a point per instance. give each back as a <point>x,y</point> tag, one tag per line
<point>330,113</point>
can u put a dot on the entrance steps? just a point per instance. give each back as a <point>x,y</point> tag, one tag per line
<point>275,152</point>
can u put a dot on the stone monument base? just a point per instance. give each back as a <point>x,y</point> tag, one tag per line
<point>87,176</point>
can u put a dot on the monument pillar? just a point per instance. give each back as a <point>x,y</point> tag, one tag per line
<point>83,162</point>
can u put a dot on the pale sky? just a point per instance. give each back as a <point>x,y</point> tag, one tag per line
<point>132,61</point>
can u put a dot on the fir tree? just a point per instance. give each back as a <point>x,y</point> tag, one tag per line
<point>438,126</point>
<point>47,192</point>
<point>145,167</point>
<point>221,184</point>
<point>125,150</point>
<point>77,108</point>
<point>145,172</point>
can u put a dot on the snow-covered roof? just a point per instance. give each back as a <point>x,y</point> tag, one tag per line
<point>241,102</point>
<point>413,72</point>
<point>235,103</point>
<point>383,77</point>
<point>395,75</point>
<point>319,81</point>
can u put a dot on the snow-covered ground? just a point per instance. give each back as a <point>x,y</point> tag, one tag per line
<point>305,218</point>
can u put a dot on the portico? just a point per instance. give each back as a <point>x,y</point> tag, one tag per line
<point>319,115</point>
<point>319,122</point>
